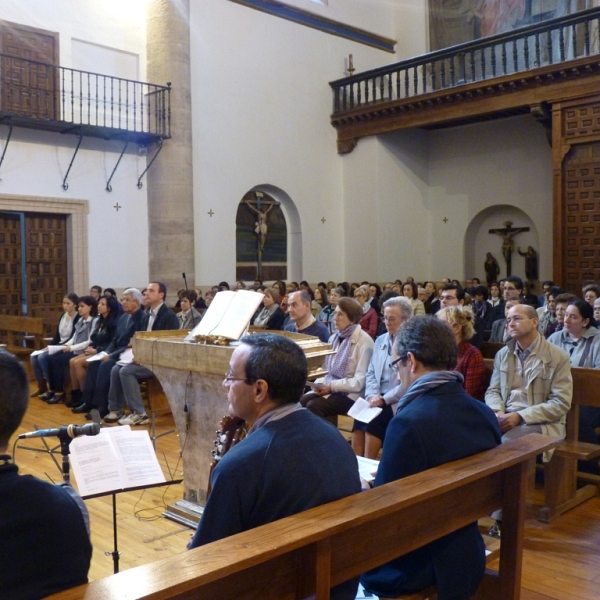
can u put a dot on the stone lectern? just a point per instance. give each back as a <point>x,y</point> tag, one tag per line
<point>191,375</point>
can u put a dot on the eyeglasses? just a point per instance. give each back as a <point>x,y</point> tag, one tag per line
<point>228,377</point>
<point>448,297</point>
<point>394,364</point>
<point>389,319</point>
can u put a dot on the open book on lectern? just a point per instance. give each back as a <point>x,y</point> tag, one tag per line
<point>228,315</point>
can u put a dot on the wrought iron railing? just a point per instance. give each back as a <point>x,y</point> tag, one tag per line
<point>550,42</point>
<point>36,90</point>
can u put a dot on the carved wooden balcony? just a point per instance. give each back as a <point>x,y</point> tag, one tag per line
<point>508,74</point>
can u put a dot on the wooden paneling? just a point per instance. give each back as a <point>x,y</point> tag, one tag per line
<point>28,88</point>
<point>576,151</point>
<point>10,264</point>
<point>46,252</point>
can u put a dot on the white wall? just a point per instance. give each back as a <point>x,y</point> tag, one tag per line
<point>104,36</point>
<point>261,105</point>
<point>507,163</point>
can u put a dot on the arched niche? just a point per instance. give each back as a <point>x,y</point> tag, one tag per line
<point>479,241</point>
<point>283,236</point>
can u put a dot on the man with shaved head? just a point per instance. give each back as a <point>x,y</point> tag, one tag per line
<point>531,387</point>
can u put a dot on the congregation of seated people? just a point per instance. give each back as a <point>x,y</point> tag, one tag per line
<point>362,322</point>
<point>98,324</point>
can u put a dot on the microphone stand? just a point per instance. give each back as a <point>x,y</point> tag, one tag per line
<point>65,442</point>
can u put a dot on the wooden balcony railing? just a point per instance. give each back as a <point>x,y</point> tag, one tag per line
<point>551,42</point>
<point>471,81</point>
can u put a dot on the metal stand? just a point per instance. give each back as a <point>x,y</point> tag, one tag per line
<point>115,552</point>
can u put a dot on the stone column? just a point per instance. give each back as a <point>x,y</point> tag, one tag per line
<point>170,179</point>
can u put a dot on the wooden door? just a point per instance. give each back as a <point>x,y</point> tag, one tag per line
<point>10,265</point>
<point>46,252</point>
<point>576,150</point>
<point>28,88</point>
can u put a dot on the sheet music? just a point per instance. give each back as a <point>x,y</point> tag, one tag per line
<point>214,313</point>
<point>115,459</point>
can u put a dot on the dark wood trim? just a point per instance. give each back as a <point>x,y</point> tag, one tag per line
<point>310,19</point>
<point>54,34</point>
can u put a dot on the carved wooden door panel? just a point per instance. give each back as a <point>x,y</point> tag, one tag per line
<point>576,157</point>
<point>28,88</point>
<point>582,227</point>
<point>10,264</point>
<point>46,252</point>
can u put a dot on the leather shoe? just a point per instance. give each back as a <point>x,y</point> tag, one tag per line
<point>57,398</point>
<point>81,409</point>
<point>46,396</point>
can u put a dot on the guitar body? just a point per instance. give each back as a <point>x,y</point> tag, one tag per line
<point>231,431</point>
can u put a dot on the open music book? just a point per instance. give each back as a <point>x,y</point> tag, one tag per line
<point>115,459</point>
<point>228,315</point>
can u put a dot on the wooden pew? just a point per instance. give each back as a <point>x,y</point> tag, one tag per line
<point>560,474</point>
<point>309,552</point>
<point>16,328</point>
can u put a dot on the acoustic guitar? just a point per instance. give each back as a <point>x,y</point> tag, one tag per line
<point>231,431</point>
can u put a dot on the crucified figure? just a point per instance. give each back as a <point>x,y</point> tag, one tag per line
<point>507,234</point>
<point>261,223</point>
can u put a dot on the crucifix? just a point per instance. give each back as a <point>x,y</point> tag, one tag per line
<point>508,233</point>
<point>262,208</point>
<point>117,206</point>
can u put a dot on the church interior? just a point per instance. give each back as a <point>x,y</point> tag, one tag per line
<point>147,140</point>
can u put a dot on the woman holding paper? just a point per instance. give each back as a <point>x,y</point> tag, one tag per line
<point>108,311</point>
<point>346,369</point>
<point>39,360</point>
<point>76,344</point>
<point>470,360</point>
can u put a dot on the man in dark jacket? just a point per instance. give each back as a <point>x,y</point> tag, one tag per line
<point>125,381</point>
<point>45,545</point>
<point>436,423</point>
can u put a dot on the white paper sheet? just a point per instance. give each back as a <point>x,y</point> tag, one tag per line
<point>362,411</point>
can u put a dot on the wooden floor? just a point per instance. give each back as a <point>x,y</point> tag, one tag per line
<point>561,560</point>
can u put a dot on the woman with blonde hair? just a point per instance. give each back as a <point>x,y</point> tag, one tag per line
<point>470,360</point>
<point>369,321</point>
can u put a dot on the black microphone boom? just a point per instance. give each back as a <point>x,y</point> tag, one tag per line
<point>184,281</point>
<point>68,431</point>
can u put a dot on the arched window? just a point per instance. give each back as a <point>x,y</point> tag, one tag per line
<point>261,238</point>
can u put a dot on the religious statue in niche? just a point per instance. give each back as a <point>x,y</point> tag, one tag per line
<point>508,233</point>
<point>492,269</point>
<point>531,263</point>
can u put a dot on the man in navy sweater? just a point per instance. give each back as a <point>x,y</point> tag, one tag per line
<point>436,423</point>
<point>290,461</point>
<point>45,546</point>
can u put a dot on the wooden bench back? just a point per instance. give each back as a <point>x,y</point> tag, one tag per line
<point>22,325</point>
<point>309,552</point>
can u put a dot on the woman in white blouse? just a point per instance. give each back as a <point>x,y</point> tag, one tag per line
<point>39,362</point>
<point>75,345</point>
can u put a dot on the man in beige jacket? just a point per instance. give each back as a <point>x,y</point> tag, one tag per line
<point>531,387</point>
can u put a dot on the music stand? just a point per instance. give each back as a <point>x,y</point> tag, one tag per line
<point>115,553</point>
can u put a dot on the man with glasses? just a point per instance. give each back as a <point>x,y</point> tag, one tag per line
<point>290,460</point>
<point>436,422</point>
<point>531,387</point>
<point>511,290</point>
<point>382,388</point>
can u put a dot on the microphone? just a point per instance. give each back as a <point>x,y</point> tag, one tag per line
<point>70,431</point>
<point>184,280</point>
